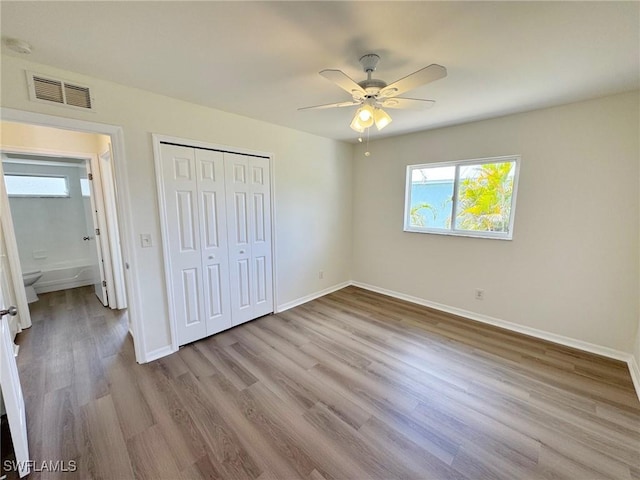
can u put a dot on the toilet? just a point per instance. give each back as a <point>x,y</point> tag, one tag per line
<point>29,279</point>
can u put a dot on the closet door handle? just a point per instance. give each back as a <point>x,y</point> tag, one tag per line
<point>241,251</point>
<point>211,257</point>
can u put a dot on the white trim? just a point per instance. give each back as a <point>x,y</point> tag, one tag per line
<point>508,235</point>
<point>188,142</point>
<point>634,371</point>
<point>274,243</point>
<point>159,353</point>
<point>311,296</point>
<point>514,327</point>
<point>44,163</point>
<point>629,359</point>
<point>55,286</point>
<point>164,235</point>
<point>124,206</point>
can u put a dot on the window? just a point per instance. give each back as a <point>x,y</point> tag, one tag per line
<point>36,185</point>
<point>84,187</point>
<point>474,198</point>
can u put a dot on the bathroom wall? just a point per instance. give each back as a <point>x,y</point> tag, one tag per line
<point>49,231</point>
<point>35,137</point>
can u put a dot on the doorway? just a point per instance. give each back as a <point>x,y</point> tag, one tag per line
<point>55,210</point>
<point>116,207</point>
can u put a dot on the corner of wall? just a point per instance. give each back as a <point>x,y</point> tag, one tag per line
<point>634,371</point>
<point>634,362</point>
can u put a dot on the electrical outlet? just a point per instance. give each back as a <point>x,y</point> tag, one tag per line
<point>320,275</point>
<point>479,294</point>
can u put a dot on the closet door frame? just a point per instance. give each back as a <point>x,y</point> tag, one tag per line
<point>157,139</point>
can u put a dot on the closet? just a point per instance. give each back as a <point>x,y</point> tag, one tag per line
<point>216,210</point>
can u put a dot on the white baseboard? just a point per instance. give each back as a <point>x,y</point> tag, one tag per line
<point>312,296</point>
<point>56,285</point>
<point>634,370</point>
<point>629,359</point>
<point>168,350</point>
<point>514,327</point>
<point>158,353</point>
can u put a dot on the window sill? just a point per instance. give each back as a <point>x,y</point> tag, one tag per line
<point>461,233</point>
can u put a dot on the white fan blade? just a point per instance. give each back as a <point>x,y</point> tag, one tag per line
<point>407,103</point>
<point>332,105</point>
<point>344,82</point>
<point>416,79</point>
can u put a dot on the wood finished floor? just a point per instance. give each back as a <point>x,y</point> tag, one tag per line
<point>354,385</point>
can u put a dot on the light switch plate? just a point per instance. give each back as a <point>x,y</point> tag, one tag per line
<point>145,240</point>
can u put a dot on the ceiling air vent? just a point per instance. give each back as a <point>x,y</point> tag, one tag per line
<point>58,91</point>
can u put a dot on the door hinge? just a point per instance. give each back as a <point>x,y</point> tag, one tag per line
<point>104,283</point>
<point>97,231</point>
<point>91,176</point>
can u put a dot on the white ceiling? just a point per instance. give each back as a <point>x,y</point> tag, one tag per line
<point>261,59</point>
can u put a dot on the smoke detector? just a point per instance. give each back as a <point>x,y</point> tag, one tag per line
<point>17,45</point>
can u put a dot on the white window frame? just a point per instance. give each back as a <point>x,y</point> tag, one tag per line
<point>508,235</point>
<point>35,195</point>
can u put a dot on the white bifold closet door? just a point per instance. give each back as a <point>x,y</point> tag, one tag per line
<point>199,264</point>
<point>249,232</point>
<point>218,230</point>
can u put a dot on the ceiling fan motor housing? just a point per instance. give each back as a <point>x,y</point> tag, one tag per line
<point>369,62</point>
<point>372,86</point>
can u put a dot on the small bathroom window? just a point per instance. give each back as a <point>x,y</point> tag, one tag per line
<point>84,187</point>
<point>20,185</point>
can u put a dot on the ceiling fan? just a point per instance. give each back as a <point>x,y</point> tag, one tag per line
<point>373,94</point>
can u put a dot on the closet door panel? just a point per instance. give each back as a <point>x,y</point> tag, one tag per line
<point>190,301</point>
<point>262,281</point>
<point>213,236</point>
<point>239,222</point>
<point>184,262</point>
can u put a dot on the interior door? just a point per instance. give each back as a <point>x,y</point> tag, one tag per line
<point>93,231</point>
<point>16,289</point>
<point>9,379</point>
<point>249,232</point>
<point>100,222</point>
<point>119,299</point>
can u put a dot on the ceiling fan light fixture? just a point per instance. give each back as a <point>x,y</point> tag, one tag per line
<point>356,124</point>
<point>381,118</point>
<point>371,94</point>
<point>365,113</point>
<point>362,119</point>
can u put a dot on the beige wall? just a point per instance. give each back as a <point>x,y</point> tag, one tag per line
<point>44,138</point>
<point>572,267</point>
<point>312,183</point>
<point>571,270</point>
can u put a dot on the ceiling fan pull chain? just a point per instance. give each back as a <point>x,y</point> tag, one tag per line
<point>367,152</point>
